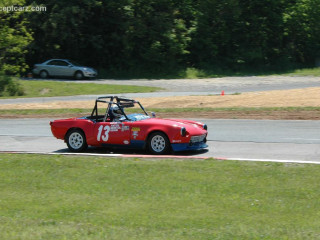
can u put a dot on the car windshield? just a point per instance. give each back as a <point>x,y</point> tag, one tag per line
<point>133,112</point>
<point>135,117</point>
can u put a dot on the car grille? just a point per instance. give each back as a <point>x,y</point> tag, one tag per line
<point>195,139</point>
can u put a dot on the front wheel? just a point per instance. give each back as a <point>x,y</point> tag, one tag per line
<point>158,143</point>
<point>76,141</point>
<point>78,75</point>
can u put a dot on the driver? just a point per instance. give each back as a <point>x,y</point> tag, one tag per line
<point>115,114</point>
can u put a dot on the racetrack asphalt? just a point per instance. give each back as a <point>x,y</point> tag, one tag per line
<point>228,139</point>
<point>235,139</point>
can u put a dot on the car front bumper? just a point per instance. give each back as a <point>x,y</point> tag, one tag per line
<point>90,74</point>
<point>177,147</point>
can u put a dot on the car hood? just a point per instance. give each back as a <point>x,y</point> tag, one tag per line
<point>193,127</point>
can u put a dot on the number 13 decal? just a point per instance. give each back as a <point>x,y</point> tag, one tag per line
<point>104,137</point>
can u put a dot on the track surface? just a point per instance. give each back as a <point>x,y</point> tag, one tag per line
<point>249,139</point>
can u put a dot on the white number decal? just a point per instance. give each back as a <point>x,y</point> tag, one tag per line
<point>104,137</point>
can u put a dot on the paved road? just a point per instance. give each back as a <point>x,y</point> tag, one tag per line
<point>251,139</point>
<point>188,87</point>
<point>228,84</point>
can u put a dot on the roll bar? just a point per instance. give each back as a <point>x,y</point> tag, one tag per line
<point>119,101</point>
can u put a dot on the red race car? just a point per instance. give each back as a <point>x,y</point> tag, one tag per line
<point>120,126</point>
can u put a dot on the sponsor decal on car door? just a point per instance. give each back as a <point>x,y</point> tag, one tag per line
<point>112,133</point>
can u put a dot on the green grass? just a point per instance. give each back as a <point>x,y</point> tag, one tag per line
<point>72,197</point>
<point>80,111</point>
<point>57,88</point>
<point>233,109</point>
<point>179,72</point>
<point>30,112</point>
<point>305,72</point>
<point>195,73</point>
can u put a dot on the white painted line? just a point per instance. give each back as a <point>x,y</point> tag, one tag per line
<point>270,160</point>
<point>66,153</point>
<point>166,156</point>
<point>87,154</point>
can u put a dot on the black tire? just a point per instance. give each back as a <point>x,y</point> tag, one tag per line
<point>78,75</point>
<point>158,143</point>
<point>43,74</point>
<point>76,140</point>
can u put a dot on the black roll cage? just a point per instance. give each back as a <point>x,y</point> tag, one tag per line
<point>119,101</point>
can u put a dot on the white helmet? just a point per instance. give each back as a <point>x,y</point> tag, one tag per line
<point>116,111</point>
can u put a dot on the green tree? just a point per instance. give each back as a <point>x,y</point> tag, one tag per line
<point>238,33</point>
<point>213,40</point>
<point>302,32</point>
<point>119,35</point>
<point>14,38</point>
<point>159,33</point>
<point>9,86</point>
<point>159,36</point>
<point>260,33</point>
<point>90,31</point>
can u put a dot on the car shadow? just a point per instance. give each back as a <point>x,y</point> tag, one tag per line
<point>102,151</point>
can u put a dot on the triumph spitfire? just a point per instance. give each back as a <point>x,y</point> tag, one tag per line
<point>124,123</point>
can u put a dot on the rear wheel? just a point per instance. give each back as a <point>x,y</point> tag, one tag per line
<point>76,141</point>
<point>158,143</point>
<point>44,74</point>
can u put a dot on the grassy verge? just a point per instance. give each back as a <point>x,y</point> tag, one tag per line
<point>194,73</point>
<point>45,112</point>
<point>305,72</point>
<point>64,197</point>
<point>234,109</point>
<point>57,88</point>
<point>80,111</point>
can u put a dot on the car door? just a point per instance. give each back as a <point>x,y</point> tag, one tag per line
<point>112,133</point>
<point>64,69</point>
<point>69,69</point>
<point>52,69</point>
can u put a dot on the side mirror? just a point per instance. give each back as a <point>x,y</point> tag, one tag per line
<point>69,65</point>
<point>153,114</point>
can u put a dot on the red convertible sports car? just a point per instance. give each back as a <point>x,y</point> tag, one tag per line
<point>119,126</point>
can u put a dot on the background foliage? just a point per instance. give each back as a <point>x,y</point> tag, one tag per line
<point>14,38</point>
<point>146,37</point>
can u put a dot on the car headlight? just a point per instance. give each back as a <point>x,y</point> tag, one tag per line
<point>183,132</point>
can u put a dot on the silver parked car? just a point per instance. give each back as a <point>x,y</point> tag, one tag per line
<point>63,68</point>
